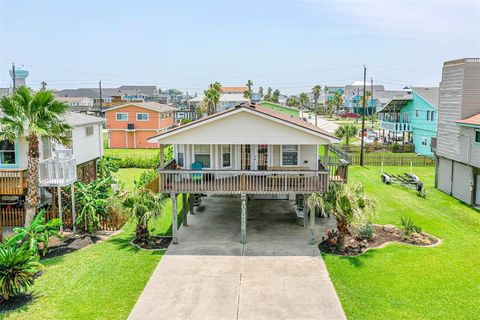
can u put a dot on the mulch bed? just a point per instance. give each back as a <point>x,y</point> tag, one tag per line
<point>15,302</point>
<point>384,234</point>
<point>69,244</point>
<point>153,243</point>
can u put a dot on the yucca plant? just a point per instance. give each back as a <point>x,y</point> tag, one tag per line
<point>18,267</point>
<point>347,203</point>
<point>346,132</point>
<point>38,232</point>
<point>143,205</point>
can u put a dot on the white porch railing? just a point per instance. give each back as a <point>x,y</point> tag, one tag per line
<point>395,126</point>
<point>58,171</point>
<point>242,181</point>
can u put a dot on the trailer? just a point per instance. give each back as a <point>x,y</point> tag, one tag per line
<point>406,180</point>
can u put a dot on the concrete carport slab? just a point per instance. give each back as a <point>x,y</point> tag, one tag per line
<point>211,275</point>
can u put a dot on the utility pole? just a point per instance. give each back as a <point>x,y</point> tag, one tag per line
<point>371,99</point>
<point>100,91</point>
<point>13,76</point>
<point>363,115</point>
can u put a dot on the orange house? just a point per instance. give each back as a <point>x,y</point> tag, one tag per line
<point>130,125</point>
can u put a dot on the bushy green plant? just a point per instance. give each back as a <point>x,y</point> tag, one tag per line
<point>409,227</point>
<point>346,132</point>
<point>38,232</point>
<point>145,177</point>
<point>18,267</point>
<point>395,147</point>
<point>347,202</point>
<point>91,202</point>
<point>366,231</point>
<point>107,166</point>
<point>143,205</point>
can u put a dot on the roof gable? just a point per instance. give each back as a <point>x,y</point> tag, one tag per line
<point>153,106</point>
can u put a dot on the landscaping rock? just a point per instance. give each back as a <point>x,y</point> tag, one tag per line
<point>390,228</point>
<point>80,243</point>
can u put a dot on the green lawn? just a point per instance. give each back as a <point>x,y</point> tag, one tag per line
<point>128,175</point>
<point>102,281</point>
<point>404,282</point>
<point>132,153</point>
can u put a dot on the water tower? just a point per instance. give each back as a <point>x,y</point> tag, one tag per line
<point>20,76</point>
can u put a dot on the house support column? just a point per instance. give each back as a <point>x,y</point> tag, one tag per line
<point>325,156</point>
<point>184,209</point>
<point>312,222</point>
<point>190,203</point>
<point>174,219</point>
<point>60,213</point>
<point>74,214</point>
<point>243,218</point>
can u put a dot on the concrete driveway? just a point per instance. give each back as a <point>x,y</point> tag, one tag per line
<point>210,275</point>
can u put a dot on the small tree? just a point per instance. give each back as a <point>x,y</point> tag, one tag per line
<point>142,206</point>
<point>346,203</point>
<point>346,132</point>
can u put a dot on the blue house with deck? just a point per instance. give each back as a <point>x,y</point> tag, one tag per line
<point>413,116</point>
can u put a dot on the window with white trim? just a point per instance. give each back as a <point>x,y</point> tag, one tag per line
<point>143,116</point>
<point>7,152</point>
<point>290,155</point>
<point>202,154</point>
<point>181,155</point>
<point>226,155</point>
<point>89,131</point>
<point>121,116</point>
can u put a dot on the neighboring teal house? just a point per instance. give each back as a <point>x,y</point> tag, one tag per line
<point>414,117</point>
<point>280,108</point>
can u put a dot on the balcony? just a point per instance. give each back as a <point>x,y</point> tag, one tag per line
<point>242,181</point>
<point>395,126</point>
<point>59,171</point>
<point>12,182</point>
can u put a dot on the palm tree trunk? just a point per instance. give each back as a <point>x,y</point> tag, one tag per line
<point>32,178</point>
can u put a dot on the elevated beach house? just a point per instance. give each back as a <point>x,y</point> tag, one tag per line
<point>59,166</point>
<point>414,117</point>
<point>249,150</point>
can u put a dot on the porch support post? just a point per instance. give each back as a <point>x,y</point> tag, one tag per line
<point>60,213</point>
<point>325,156</point>
<point>184,209</point>
<point>312,224</point>
<point>305,210</point>
<point>174,219</point>
<point>74,214</point>
<point>190,203</point>
<point>162,156</point>
<point>243,218</point>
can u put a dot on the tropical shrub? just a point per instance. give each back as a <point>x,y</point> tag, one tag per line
<point>366,231</point>
<point>346,132</point>
<point>38,232</point>
<point>18,267</point>
<point>346,202</point>
<point>409,227</point>
<point>142,206</point>
<point>116,215</point>
<point>107,166</point>
<point>91,201</point>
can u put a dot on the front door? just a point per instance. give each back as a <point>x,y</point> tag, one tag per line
<point>246,153</point>
<point>262,157</point>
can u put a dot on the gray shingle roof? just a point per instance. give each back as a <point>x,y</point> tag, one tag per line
<point>78,119</point>
<point>431,94</point>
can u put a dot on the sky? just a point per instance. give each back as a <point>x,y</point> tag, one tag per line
<point>286,45</point>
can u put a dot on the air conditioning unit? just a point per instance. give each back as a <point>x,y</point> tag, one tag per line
<point>131,126</point>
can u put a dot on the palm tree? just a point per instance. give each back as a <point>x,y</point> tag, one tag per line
<point>316,95</point>
<point>249,85</point>
<point>268,96</point>
<point>346,132</point>
<point>347,203</point>
<point>247,94</point>
<point>44,85</point>
<point>260,92</point>
<point>304,99</point>
<point>142,206</point>
<point>211,99</point>
<point>292,101</point>
<point>39,116</point>
<point>276,95</point>
<point>337,102</point>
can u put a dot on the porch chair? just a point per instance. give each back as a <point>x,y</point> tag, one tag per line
<point>197,165</point>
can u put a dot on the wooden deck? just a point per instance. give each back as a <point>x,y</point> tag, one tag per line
<point>243,181</point>
<point>12,182</point>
